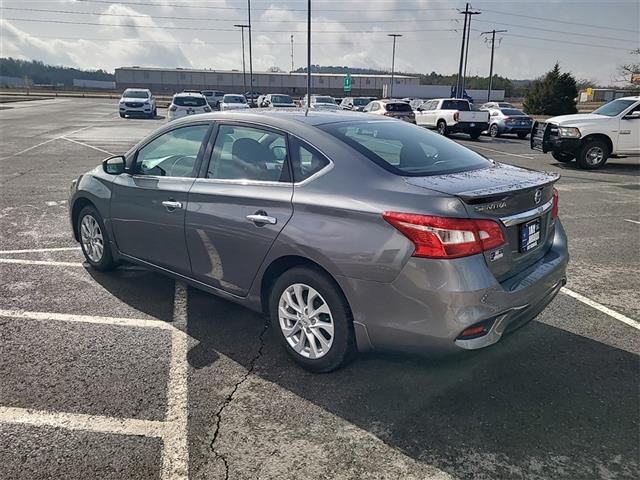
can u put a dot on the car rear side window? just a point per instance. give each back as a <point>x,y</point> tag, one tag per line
<point>172,154</point>
<point>306,160</point>
<point>461,105</point>
<point>248,153</point>
<point>398,107</point>
<point>405,149</point>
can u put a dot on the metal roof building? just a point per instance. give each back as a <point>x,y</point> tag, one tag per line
<point>165,80</point>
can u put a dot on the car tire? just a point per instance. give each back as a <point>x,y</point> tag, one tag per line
<point>155,113</point>
<point>94,239</point>
<point>562,157</point>
<point>475,135</point>
<point>494,131</point>
<point>121,115</point>
<point>593,154</point>
<point>442,128</point>
<point>522,135</point>
<point>297,330</point>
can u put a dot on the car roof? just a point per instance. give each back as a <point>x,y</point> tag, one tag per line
<point>634,97</point>
<point>188,94</point>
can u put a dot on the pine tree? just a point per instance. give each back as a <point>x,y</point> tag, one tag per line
<point>552,94</point>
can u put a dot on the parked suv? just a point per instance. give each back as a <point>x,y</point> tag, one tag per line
<point>213,98</point>
<point>391,108</point>
<point>591,138</point>
<point>187,103</point>
<point>355,104</point>
<point>276,100</point>
<point>137,102</point>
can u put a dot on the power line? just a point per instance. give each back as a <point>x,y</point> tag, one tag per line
<point>555,40</point>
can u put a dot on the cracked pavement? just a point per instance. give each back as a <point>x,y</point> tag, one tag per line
<point>558,400</point>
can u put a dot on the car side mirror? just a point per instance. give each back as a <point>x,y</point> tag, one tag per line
<point>632,116</point>
<point>114,165</point>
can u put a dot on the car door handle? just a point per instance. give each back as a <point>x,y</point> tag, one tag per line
<point>260,219</point>
<point>171,204</point>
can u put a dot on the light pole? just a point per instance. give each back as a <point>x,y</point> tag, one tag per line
<point>306,112</point>
<point>250,54</point>
<point>244,70</point>
<point>393,60</point>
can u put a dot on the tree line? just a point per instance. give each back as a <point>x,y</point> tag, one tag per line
<point>40,73</point>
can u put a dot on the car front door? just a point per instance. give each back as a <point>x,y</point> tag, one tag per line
<point>238,206</point>
<point>148,204</point>
<point>629,132</point>
<point>430,114</point>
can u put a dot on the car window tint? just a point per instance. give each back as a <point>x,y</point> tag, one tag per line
<point>172,154</point>
<point>189,101</point>
<point>248,153</point>
<point>306,160</point>
<point>405,149</point>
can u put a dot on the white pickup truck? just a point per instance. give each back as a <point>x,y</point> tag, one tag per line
<point>610,131</point>
<point>452,115</point>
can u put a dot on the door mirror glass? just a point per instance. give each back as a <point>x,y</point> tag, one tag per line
<point>114,165</point>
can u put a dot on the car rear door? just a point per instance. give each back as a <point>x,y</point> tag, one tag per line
<point>148,204</point>
<point>238,205</point>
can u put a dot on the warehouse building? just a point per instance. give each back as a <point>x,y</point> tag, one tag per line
<point>164,81</point>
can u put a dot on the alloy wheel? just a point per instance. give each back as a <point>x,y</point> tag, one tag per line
<point>92,239</point>
<point>594,155</point>
<point>306,321</point>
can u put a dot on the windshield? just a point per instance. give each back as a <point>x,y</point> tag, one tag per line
<point>360,102</point>
<point>512,111</point>
<point>614,108</point>
<point>135,94</point>
<point>398,107</point>
<point>207,93</point>
<point>234,99</point>
<point>189,101</point>
<point>324,100</point>
<point>405,149</point>
<point>461,105</point>
<point>281,99</point>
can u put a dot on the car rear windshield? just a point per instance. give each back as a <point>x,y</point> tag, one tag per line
<point>207,93</point>
<point>405,149</point>
<point>135,94</point>
<point>614,108</point>
<point>512,111</point>
<point>325,100</point>
<point>361,102</point>
<point>234,99</point>
<point>281,99</point>
<point>461,105</point>
<point>189,101</point>
<point>398,107</point>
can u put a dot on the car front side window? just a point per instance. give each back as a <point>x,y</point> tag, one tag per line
<point>248,153</point>
<point>172,154</point>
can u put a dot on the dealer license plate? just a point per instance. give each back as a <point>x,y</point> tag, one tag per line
<point>529,235</point>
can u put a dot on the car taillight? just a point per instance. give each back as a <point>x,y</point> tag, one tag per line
<point>443,237</point>
<point>173,108</point>
<point>388,114</point>
<point>456,116</point>
<point>554,209</point>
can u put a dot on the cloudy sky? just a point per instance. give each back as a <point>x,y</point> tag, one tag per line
<point>588,37</point>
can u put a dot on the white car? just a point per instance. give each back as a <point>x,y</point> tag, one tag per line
<point>233,102</point>
<point>187,103</point>
<point>488,105</point>
<point>391,108</point>
<point>609,131</point>
<point>214,97</point>
<point>277,100</point>
<point>137,102</point>
<point>321,102</point>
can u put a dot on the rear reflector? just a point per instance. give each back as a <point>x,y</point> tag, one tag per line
<point>442,237</point>
<point>554,209</point>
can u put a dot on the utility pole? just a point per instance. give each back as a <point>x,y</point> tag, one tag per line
<point>393,60</point>
<point>306,112</point>
<point>493,45</point>
<point>465,43</point>
<point>250,54</point>
<point>244,69</point>
<point>292,53</point>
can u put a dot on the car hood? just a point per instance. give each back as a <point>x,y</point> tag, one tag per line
<point>134,99</point>
<point>485,182</point>
<point>575,119</point>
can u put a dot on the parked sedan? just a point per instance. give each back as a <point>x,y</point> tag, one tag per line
<point>434,248</point>
<point>392,108</point>
<point>233,102</point>
<point>509,120</point>
<point>137,102</point>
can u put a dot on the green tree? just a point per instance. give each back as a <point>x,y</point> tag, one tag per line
<point>553,94</point>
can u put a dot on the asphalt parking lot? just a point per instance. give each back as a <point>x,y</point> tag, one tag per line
<point>127,374</point>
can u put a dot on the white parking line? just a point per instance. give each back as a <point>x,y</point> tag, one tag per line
<point>612,313</point>
<point>175,457</point>
<point>20,261</point>
<point>43,143</point>
<point>502,153</point>
<point>631,221</point>
<point>87,145</point>
<point>39,250</point>
<point>79,421</point>
<point>102,320</point>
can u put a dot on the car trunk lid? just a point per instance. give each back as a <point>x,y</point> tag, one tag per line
<point>520,200</point>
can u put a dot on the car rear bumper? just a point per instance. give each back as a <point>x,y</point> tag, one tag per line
<point>430,303</point>
<point>515,128</point>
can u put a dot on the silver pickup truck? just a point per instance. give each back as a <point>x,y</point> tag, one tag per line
<point>452,115</point>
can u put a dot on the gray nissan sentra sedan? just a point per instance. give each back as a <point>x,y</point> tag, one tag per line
<point>352,233</point>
